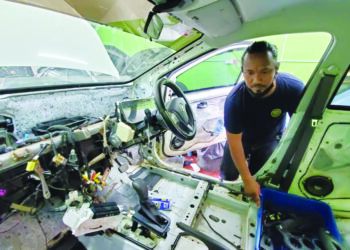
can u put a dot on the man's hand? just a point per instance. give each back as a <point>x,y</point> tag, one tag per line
<point>252,189</point>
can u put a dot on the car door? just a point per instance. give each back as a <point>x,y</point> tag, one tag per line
<point>206,82</point>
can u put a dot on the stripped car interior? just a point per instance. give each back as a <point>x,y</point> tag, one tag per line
<point>93,128</point>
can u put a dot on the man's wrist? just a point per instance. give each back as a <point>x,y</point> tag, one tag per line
<point>247,178</point>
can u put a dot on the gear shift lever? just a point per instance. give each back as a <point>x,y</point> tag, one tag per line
<point>147,213</point>
<point>141,189</point>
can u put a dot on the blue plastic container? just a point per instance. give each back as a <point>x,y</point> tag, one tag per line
<point>284,202</point>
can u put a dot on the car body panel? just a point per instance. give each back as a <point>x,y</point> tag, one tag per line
<point>196,198</point>
<point>327,157</point>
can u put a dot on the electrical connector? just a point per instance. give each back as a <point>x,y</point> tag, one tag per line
<point>59,159</point>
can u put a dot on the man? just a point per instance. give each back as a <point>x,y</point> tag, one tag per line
<point>255,115</point>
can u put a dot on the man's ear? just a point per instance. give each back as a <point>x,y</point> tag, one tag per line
<point>276,71</point>
<point>277,66</point>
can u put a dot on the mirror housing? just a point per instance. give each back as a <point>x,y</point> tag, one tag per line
<point>154,25</point>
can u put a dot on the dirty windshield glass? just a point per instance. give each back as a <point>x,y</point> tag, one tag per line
<point>76,51</point>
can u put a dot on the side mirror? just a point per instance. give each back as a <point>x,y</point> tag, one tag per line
<point>153,26</point>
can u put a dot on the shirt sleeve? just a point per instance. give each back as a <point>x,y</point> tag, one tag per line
<point>232,117</point>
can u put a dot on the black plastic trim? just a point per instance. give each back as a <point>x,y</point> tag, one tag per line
<point>299,143</point>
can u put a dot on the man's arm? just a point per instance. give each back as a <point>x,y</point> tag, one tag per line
<point>251,187</point>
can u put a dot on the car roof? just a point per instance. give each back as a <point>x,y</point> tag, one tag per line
<point>222,22</point>
<point>244,19</point>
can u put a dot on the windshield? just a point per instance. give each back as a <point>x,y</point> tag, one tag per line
<point>55,49</point>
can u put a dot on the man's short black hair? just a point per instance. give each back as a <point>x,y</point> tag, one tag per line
<point>261,47</point>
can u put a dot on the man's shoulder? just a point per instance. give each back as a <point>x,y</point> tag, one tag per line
<point>290,91</point>
<point>236,91</point>
<point>234,98</point>
<point>289,80</point>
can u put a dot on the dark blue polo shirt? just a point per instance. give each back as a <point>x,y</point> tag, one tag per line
<point>261,120</point>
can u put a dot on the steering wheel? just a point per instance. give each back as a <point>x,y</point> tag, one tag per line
<point>176,113</point>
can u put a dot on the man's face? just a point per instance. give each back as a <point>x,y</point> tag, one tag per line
<point>259,70</point>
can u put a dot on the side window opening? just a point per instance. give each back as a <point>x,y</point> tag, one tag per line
<point>298,55</point>
<point>220,70</point>
<point>341,100</point>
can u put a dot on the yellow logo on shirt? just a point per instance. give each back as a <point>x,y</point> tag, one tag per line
<point>276,113</point>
